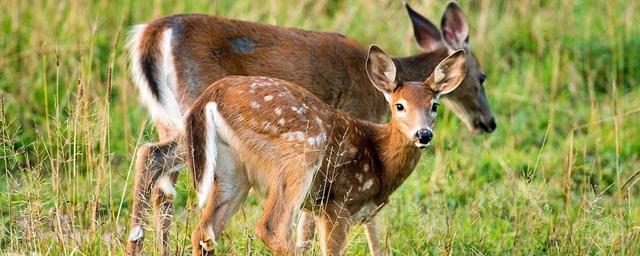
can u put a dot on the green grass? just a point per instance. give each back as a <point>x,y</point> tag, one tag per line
<point>561,79</point>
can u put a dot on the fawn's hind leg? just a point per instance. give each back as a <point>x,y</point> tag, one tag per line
<point>229,191</point>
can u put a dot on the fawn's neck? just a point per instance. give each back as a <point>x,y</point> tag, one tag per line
<point>397,157</point>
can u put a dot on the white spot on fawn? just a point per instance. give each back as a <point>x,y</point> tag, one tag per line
<point>297,135</point>
<point>367,185</point>
<point>255,105</point>
<point>317,140</point>
<point>353,151</point>
<point>253,86</point>
<point>300,110</point>
<point>268,98</point>
<point>365,167</point>
<point>278,111</point>
<point>359,177</point>
<point>269,127</point>
<point>281,121</point>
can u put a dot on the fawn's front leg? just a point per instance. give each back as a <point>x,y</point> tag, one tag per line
<point>333,224</point>
<point>305,231</point>
<point>285,198</point>
<point>370,229</point>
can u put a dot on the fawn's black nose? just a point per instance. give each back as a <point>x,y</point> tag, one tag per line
<point>424,136</point>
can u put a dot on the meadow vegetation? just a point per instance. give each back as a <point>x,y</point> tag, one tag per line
<point>557,177</point>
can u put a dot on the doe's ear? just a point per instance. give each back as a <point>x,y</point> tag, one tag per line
<point>381,71</point>
<point>454,26</point>
<point>426,33</point>
<point>449,73</point>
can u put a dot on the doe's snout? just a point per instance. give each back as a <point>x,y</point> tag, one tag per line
<point>492,125</point>
<point>424,136</point>
<point>487,126</point>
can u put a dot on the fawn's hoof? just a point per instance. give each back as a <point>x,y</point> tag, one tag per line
<point>205,239</point>
<point>208,241</point>
<point>208,245</point>
<point>304,246</point>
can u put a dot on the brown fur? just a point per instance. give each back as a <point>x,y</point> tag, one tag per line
<point>390,155</point>
<point>207,48</point>
<point>349,163</point>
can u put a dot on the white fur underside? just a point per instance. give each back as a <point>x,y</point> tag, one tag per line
<point>166,186</point>
<point>211,151</point>
<point>167,110</point>
<point>220,145</point>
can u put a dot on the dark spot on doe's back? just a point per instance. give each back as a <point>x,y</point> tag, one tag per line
<point>243,45</point>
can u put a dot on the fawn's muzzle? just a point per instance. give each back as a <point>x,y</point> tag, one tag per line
<point>424,136</point>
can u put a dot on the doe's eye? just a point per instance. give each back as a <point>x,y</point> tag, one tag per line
<point>434,107</point>
<point>399,107</point>
<point>482,78</point>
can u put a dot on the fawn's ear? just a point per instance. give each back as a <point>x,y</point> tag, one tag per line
<point>426,33</point>
<point>454,26</point>
<point>381,71</point>
<point>449,73</point>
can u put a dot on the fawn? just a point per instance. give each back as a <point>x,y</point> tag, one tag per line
<point>175,58</point>
<point>280,139</point>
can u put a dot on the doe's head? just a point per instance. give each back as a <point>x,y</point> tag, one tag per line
<point>469,102</point>
<point>414,104</point>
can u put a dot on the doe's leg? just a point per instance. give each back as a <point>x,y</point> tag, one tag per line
<point>154,164</point>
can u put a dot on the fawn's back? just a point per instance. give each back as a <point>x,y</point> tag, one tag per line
<point>278,127</point>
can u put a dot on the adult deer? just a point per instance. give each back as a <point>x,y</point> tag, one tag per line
<point>274,136</point>
<point>173,59</point>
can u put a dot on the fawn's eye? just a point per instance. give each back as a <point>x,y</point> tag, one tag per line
<point>399,107</point>
<point>482,78</point>
<point>434,107</point>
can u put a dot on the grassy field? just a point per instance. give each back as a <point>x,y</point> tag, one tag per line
<point>557,177</point>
